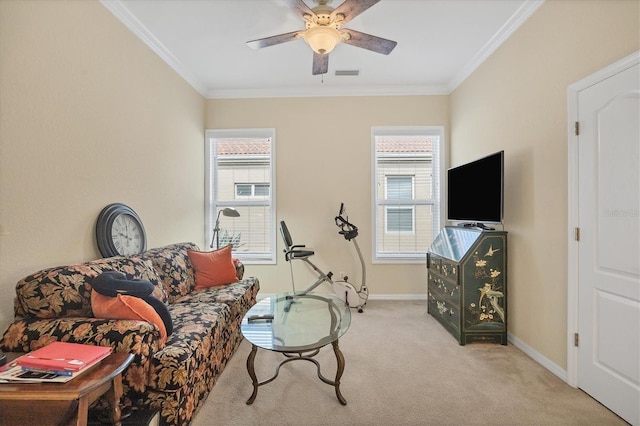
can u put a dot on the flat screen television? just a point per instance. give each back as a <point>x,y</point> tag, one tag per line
<point>475,191</point>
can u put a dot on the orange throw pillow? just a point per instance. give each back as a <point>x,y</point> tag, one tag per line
<point>127,307</point>
<point>213,268</point>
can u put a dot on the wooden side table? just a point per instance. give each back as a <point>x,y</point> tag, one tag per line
<point>52,403</point>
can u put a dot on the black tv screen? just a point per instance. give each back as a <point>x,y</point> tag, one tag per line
<point>475,190</point>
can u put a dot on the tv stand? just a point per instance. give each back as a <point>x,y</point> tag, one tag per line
<point>477,225</point>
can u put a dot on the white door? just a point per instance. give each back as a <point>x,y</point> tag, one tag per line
<point>609,243</point>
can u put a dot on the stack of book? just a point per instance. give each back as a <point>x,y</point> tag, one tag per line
<point>58,362</point>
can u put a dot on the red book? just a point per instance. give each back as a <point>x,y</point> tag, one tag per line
<point>64,356</point>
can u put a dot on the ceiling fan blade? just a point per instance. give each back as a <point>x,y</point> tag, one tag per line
<point>320,64</point>
<point>352,8</point>
<point>369,42</point>
<point>276,39</point>
<point>299,7</point>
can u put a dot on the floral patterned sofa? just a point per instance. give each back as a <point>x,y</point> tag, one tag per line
<point>55,304</point>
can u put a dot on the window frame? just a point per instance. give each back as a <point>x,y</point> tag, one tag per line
<point>212,205</point>
<point>437,191</point>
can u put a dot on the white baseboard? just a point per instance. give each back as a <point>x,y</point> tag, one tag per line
<point>539,358</point>
<point>398,296</point>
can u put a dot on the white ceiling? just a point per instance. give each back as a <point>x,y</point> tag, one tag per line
<point>440,42</point>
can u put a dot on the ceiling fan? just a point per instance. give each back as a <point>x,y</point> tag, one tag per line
<point>324,30</point>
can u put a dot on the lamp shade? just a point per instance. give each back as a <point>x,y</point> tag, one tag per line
<point>227,211</point>
<point>322,39</point>
<point>230,212</point>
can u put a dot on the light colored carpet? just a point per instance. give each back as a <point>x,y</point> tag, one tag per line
<point>402,368</point>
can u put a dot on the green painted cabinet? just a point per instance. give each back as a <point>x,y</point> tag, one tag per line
<point>467,283</point>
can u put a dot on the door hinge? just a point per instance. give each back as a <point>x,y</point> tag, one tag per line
<point>576,339</point>
<point>577,234</point>
<point>577,128</point>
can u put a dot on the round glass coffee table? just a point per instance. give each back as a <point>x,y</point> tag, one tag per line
<point>297,326</point>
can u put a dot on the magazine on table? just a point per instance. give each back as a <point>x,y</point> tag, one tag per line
<point>15,374</point>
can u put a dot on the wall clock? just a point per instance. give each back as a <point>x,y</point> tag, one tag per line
<point>119,231</point>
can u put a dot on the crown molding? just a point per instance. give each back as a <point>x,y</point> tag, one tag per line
<point>325,91</point>
<point>517,19</point>
<point>118,9</point>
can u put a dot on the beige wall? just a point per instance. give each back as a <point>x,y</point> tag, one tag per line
<point>517,101</point>
<point>89,115</point>
<point>323,158</point>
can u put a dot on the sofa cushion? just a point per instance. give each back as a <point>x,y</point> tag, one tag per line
<point>65,291</point>
<point>243,292</point>
<point>127,307</point>
<point>190,356</point>
<point>240,296</point>
<point>213,268</point>
<point>114,283</point>
<point>173,268</point>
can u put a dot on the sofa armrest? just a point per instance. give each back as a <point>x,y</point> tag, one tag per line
<point>140,338</point>
<point>239,268</point>
<point>27,334</point>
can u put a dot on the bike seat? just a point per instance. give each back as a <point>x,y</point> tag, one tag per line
<point>293,251</point>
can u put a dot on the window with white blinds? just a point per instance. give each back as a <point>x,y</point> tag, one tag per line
<point>406,196</point>
<point>399,218</point>
<point>241,174</point>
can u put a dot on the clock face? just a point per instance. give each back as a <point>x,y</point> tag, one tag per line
<point>119,231</point>
<point>126,235</point>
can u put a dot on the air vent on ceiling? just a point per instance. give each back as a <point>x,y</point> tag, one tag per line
<point>347,72</point>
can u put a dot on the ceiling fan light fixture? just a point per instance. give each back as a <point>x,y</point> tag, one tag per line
<point>323,30</point>
<point>322,39</point>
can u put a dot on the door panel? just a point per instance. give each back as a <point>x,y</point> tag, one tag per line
<point>617,169</point>
<point>609,248</point>
<point>616,352</point>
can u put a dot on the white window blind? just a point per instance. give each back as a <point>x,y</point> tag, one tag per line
<point>399,218</point>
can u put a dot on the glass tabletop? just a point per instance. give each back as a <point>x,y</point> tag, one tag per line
<point>293,323</point>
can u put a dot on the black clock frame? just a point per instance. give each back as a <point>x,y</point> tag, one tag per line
<point>104,228</point>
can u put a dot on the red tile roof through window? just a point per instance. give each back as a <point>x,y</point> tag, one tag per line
<point>248,146</point>
<point>403,144</point>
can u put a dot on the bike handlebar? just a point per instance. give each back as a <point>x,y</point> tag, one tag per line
<point>342,222</point>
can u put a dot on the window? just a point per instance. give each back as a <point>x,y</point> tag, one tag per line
<point>240,174</point>
<point>406,182</point>
<point>252,190</point>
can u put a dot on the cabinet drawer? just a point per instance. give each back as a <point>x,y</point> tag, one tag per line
<point>433,262</point>
<point>444,311</point>
<point>444,289</point>
<point>449,269</point>
<point>443,267</point>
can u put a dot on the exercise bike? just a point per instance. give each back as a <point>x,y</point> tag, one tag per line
<point>342,288</point>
